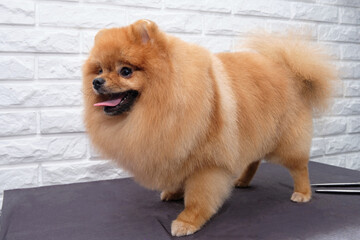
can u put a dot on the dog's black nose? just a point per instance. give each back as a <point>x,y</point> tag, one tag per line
<point>98,82</point>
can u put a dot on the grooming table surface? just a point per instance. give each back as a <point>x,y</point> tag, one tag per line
<point>121,209</point>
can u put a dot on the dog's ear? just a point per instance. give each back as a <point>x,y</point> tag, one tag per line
<point>99,34</point>
<point>144,31</point>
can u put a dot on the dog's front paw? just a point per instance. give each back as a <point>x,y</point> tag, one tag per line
<point>180,228</point>
<point>300,197</point>
<point>169,196</point>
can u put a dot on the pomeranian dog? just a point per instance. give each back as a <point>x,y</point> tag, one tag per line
<point>193,124</point>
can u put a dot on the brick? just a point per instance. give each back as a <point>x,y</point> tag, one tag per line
<point>88,38</point>
<point>329,126</point>
<point>214,44</point>
<point>65,0</point>
<point>83,16</point>
<point>40,95</point>
<point>201,5</point>
<point>303,29</point>
<point>346,107</point>
<point>242,26</point>
<point>219,25</point>
<point>339,33</point>
<point>80,172</point>
<point>352,88</point>
<point>349,70</point>
<point>332,49</point>
<point>338,89</point>
<point>317,147</point>
<point>135,3</point>
<point>262,8</point>
<point>307,1</point>
<point>17,12</point>
<point>352,3</point>
<point>94,153</point>
<point>342,144</point>
<point>172,22</point>
<point>51,67</point>
<point>314,12</point>
<point>350,15</point>
<point>353,161</point>
<point>42,149</point>
<point>34,40</point>
<point>22,123</point>
<point>353,125</point>
<point>18,177</point>
<point>350,51</point>
<point>16,67</point>
<point>65,121</point>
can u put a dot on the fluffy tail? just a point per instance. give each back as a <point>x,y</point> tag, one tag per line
<point>309,64</point>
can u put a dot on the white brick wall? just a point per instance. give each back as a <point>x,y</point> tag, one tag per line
<point>44,43</point>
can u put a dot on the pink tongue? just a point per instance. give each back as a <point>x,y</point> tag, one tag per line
<point>111,103</point>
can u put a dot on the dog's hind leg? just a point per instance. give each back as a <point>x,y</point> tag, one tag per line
<point>300,174</point>
<point>248,174</point>
<point>293,152</point>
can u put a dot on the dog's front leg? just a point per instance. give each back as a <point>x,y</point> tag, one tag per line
<point>205,191</point>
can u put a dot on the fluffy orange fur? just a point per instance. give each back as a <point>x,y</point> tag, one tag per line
<point>203,121</point>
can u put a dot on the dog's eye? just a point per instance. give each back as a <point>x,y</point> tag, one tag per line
<point>125,72</point>
<point>100,71</point>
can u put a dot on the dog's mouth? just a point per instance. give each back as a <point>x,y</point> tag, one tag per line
<point>118,103</point>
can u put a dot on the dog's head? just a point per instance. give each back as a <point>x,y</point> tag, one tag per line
<point>124,64</point>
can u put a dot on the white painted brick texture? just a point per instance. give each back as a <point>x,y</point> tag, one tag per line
<point>39,41</point>
<point>17,12</point>
<point>13,67</point>
<point>43,45</point>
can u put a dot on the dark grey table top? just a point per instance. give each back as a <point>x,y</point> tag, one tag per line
<point>121,209</point>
